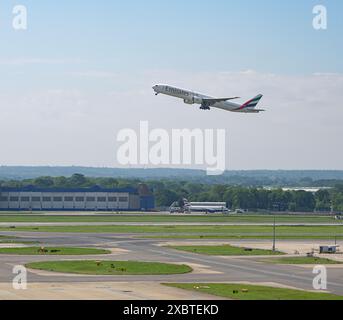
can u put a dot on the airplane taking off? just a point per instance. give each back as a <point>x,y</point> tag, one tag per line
<point>206,102</point>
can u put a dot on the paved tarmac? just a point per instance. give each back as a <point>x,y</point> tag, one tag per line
<point>157,224</point>
<point>129,247</point>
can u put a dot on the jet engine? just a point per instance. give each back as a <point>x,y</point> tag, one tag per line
<point>193,100</point>
<point>188,101</point>
<point>197,100</point>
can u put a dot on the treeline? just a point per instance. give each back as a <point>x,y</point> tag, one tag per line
<point>74,181</point>
<point>252,198</point>
<point>167,191</point>
<point>246,178</point>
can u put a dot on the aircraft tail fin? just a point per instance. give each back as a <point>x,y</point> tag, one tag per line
<point>185,201</point>
<point>253,102</point>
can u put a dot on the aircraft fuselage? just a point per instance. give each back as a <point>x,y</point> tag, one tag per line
<point>190,97</point>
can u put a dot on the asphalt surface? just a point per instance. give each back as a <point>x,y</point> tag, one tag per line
<point>157,224</point>
<point>213,269</point>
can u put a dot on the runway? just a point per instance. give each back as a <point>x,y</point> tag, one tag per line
<point>129,247</point>
<point>161,224</point>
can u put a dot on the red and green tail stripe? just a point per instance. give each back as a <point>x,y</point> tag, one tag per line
<point>252,103</point>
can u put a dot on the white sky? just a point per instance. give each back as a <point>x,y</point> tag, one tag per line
<point>302,128</point>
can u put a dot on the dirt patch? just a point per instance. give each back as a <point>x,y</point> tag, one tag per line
<point>117,250</point>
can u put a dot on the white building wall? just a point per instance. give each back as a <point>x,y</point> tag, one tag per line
<point>5,203</point>
<point>14,204</point>
<point>57,201</point>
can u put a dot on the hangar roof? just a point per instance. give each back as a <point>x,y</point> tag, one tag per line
<point>71,190</point>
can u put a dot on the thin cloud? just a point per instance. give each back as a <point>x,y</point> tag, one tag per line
<point>301,129</point>
<point>31,61</point>
<point>93,74</point>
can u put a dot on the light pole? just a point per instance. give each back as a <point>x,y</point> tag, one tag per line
<point>274,234</point>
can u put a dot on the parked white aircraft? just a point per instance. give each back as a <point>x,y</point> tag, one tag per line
<point>206,207</point>
<point>206,102</point>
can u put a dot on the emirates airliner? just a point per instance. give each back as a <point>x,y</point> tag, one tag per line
<point>206,102</point>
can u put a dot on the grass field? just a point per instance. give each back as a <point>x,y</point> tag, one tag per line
<point>111,267</point>
<point>301,260</point>
<point>225,250</point>
<point>253,292</point>
<point>184,231</point>
<point>168,218</point>
<point>53,251</point>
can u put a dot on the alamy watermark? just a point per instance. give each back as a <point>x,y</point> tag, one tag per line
<point>320,280</point>
<point>178,147</point>
<point>19,282</point>
<point>320,19</point>
<point>19,18</point>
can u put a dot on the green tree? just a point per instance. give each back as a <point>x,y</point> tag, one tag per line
<point>337,201</point>
<point>304,201</point>
<point>77,180</point>
<point>323,200</point>
<point>44,182</point>
<point>165,198</point>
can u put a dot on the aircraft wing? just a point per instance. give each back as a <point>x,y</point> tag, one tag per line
<point>215,100</point>
<point>208,102</point>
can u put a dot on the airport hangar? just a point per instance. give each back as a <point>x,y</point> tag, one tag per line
<point>76,199</point>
